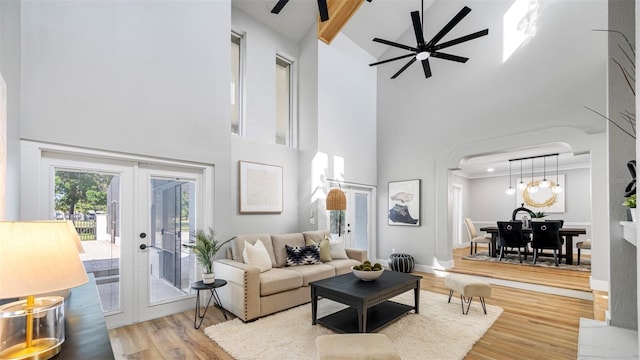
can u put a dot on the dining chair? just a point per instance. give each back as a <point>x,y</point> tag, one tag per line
<point>475,238</point>
<point>583,245</point>
<point>510,236</point>
<point>546,235</point>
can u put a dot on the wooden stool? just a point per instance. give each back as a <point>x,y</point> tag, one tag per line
<point>361,346</point>
<point>468,287</point>
<point>583,245</point>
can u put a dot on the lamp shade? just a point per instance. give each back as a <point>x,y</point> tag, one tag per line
<point>336,200</point>
<point>38,257</point>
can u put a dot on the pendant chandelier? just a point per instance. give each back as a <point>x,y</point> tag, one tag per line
<point>510,190</point>
<point>533,186</point>
<point>556,188</point>
<point>521,184</point>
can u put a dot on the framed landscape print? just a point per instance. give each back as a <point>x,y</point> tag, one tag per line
<point>404,203</point>
<point>260,188</point>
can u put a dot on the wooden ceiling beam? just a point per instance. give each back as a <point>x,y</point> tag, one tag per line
<point>340,11</point>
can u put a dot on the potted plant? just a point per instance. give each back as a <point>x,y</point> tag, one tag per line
<point>630,202</point>
<point>538,216</point>
<point>205,249</point>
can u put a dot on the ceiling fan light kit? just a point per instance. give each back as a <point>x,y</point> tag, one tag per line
<point>424,50</point>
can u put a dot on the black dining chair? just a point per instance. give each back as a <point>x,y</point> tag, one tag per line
<point>510,236</point>
<point>546,235</point>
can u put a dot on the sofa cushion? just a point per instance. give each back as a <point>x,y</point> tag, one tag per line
<point>337,249</point>
<point>278,280</point>
<point>303,255</point>
<point>343,266</point>
<point>313,272</point>
<point>237,248</point>
<point>317,235</point>
<point>325,250</point>
<point>256,255</point>
<point>279,241</point>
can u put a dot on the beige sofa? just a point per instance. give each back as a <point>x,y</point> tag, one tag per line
<point>250,294</point>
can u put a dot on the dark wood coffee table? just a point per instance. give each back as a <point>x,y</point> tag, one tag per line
<point>369,306</point>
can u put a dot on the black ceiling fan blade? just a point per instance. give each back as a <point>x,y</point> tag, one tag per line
<point>450,25</point>
<point>391,43</point>
<point>392,59</point>
<point>323,9</point>
<point>417,27</point>
<point>445,56</point>
<point>279,5</point>
<point>426,68</point>
<point>459,40</point>
<point>404,68</point>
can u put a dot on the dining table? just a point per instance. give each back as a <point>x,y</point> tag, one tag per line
<point>567,232</point>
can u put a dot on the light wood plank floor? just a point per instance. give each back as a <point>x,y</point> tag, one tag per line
<point>532,326</point>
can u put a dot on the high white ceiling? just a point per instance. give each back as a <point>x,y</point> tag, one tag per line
<point>390,19</point>
<point>386,19</point>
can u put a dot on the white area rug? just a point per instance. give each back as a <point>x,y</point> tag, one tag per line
<point>440,331</point>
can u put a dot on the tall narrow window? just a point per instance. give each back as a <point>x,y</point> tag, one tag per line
<point>283,101</point>
<point>235,83</point>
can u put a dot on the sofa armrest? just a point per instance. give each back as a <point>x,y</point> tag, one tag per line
<point>357,254</point>
<point>241,295</point>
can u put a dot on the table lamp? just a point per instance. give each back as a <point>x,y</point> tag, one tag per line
<point>36,257</point>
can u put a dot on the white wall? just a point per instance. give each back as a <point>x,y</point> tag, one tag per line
<point>260,47</point>
<point>143,78</point>
<point>488,203</point>
<point>311,197</point>
<point>338,116</point>
<point>429,125</point>
<point>347,111</point>
<point>10,71</point>
<point>261,44</point>
<point>111,75</point>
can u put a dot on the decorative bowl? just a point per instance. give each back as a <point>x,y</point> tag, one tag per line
<point>367,275</point>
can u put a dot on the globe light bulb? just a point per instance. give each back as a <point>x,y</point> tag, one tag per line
<point>544,183</point>
<point>510,191</point>
<point>557,189</point>
<point>532,189</point>
<point>522,185</point>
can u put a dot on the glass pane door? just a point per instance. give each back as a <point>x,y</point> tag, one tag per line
<point>168,213</point>
<point>172,226</point>
<point>91,200</point>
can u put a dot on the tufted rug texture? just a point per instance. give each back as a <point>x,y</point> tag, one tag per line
<point>439,331</point>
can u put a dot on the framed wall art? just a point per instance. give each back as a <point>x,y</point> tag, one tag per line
<point>260,188</point>
<point>404,203</point>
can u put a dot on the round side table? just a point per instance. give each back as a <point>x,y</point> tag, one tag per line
<point>199,285</point>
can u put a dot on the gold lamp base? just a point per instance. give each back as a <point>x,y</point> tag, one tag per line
<point>40,349</point>
<point>32,328</point>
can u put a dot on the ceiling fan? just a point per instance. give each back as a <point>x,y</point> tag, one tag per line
<point>322,8</point>
<point>423,50</point>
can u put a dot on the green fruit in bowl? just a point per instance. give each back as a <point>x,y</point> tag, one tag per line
<point>368,266</point>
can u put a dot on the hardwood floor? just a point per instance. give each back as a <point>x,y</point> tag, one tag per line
<point>533,325</point>
<point>549,276</point>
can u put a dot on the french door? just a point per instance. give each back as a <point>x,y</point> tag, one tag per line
<point>146,215</point>
<point>355,223</point>
<point>168,210</point>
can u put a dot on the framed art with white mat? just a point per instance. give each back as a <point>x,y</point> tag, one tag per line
<point>260,188</point>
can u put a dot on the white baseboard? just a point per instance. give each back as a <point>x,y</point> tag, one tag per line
<point>600,285</point>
